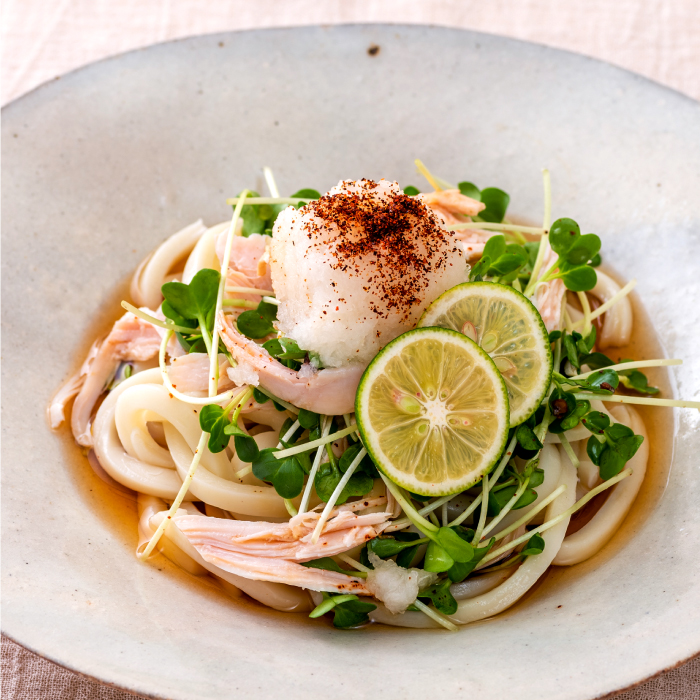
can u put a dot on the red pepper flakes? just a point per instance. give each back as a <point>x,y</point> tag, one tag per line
<point>397,234</point>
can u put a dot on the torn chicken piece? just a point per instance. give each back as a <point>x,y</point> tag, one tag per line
<point>549,296</point>
<point>329,392</point>
<point>130,339</point>
<point>271,551</point>
<point>290,540</point>
<point>451,204</point>
<point>190,373</point>
<point>248,262</point>
<point>69,390</point>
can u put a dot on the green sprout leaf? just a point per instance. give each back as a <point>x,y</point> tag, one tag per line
<point>308,419</point>
<point>195,301</point>
<point>327,478</point>
<point>213,420</point>
<point>496,202</point>
<point>635,380</point>
<point>286,475</point>
<point>411,191</point>
<point>327,564</point>
<point>460,570</point>
<point>535,545</point>
<point>441,597</point>
<point>352,614</point>
<point>563,235</point>
<point>469,189</point>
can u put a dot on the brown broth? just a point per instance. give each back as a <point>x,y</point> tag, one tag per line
<point>116,505</point>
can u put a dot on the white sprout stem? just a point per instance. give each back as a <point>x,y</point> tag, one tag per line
<point>445,516</point>
<point>530,514</point>
<point>249,290</point>
<point>243,472</point>
<point>156,321</point>
<point>641,401</point>
<point>484,226</point>
<point>492,480</point>
<point>305,447</point>
<point>631,365</point>
<point>427,175</point>
<point>545,236</point>
<point>239,303</point>
<point>194,400</point>
<point>609,303</point>
<point>336,495</point>
<point>503,463</point>
<point>435,615</point>
<point>406,522</point>
<point>466,512</point>
<point>271,184</point>
<point>562,516</point>
<point>412,514</point>
<point>354,563</point>
<point>271,300</point>
<point>569,450</point>
<point>288,406</point>
<point>504,511</point>
<point>314,467</point>
<point>178,499</point>
<point>484,507</point>
<point>214,351</point>
<point>586,307</point>
<point>290,507</point>
<point>267,200</point>
<point>201,445</point>
<point>288,434</point>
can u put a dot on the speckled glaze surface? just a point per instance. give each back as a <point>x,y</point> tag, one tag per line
<point>101,165</point>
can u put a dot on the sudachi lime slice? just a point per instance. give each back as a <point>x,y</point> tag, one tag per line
<point>509,328</point>
<point>432,410</point>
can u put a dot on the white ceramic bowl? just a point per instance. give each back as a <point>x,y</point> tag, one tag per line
<point>101,165</point>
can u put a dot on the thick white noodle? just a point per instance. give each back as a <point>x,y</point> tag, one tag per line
<point>151,402</point>
<point>153,272</point>
<point>203,254</point>
<point>478,585</point>
<point>229,495</point>
<point>504,595</point>
<point>148,506</point>
<point>595,534</point>
<point>122,467</point>
<point>617,321</point>
<point>275,595</point>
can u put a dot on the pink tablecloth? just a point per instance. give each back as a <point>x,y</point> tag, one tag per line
<point>40,40</point>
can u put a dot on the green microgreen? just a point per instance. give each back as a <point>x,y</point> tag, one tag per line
<point>193,305</point>
<point>496,201</point>
<point>535,545</point>
<point>349,611</point>
<point>499,260</point>
<point>286,475</point>
<point>575,253</point>
<point>258,323</point>
<point>329,564</point>
<point>441,597</point>
<point>612,444</point>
